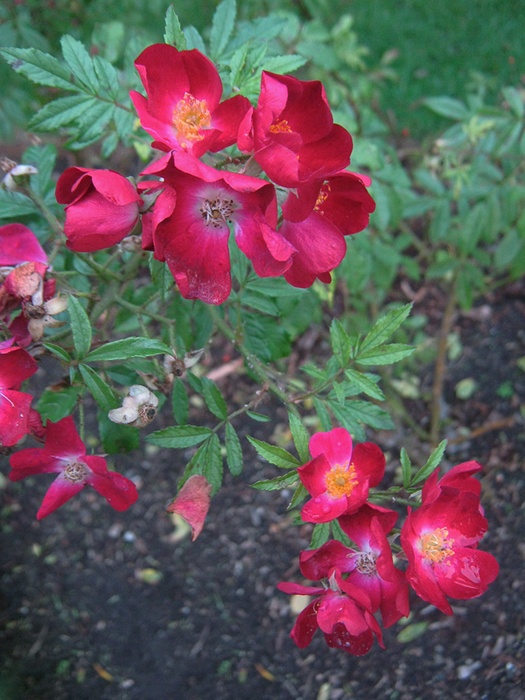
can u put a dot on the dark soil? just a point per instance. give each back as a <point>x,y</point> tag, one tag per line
<point>97,604</point>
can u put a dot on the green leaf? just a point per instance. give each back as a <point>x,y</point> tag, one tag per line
<point>324,416</point>
<point>39,67</point>
<point>222,27</point>
<point>298,497</point>
<point>80,327</point>
<point>126,348</point>
<point>58,351</point>
<point>406,468</point>
<point>365,383</point>
<point>234,457</point>
<point>101,391</point>
<point>432,462</point>
<point>284,64</point>
<point>54,405</point>
<point>515,101</point>
<point>447,107</point>
<point>15,204</point>
<point>80,62</point>
<point>173,33</point>
<point>340,342</point>
<point>179,402</point>
<point>320,535</point>
<point>275,455</point>
<point>259,417</point>
<point>385,355</point>
<point>280,482</point>
<point>208,462</point>
<point>194,39</point>
<point>411,632</point>
<point>179,436</point>
<point>214,399</point>
<point>60,112</point>
<point>117,438</point>
<point>364,412</point>
<point>384,327</point>
<point>301,436</point>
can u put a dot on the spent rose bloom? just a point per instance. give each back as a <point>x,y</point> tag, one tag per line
<point>16,365</point>
<point>183,108</point>
<point>342,611</point>
<point>192,503</point>
<point>291,132</point>
<point>339,476</point>
<point>189,225</point>
<point>440,540</point>
<point>102,207</point>
<point>64,453</point>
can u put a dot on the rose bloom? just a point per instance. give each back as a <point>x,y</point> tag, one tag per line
<point>317,217</point>
<point>342,611</point>
<point>64,453</point>
<point>102,207</point>
<point>291,132</point>
<point>189,225</point>
<point>16,365</point>
<point>182,110</point>
<point>339,475</point>
<point>371,565</point>
<point>440,540</point>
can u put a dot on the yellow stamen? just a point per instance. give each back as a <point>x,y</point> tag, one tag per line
<point>340,480</point>
<point>436,545</point>
<point>281,127</point>
<point>190,116</point>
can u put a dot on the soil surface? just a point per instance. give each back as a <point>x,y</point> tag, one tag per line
<point>106,605</point>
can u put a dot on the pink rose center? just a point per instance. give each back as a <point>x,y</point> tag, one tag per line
<point>366,564</point>
<point>190,116</point>
<point>436,545</point>
<point>75,472</point>
<point>340,480</point>
<point>217,211</point>
<point>281,127</point>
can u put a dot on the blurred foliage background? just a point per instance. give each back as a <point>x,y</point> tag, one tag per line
<point>446,47</point>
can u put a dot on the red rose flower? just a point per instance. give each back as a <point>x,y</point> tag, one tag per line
<point>16,365</point>
<point>292,134</point>
<point>342,612</point>
<point>65,453</point>
<point>371,566</point>
<point>183,110</point>
<point>440,540</point>
<point>339,475</point>
<point>102,207</point>
<point>317,216</point>
<point>189,225</point>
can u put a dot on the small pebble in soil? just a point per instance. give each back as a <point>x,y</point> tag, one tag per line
<point>466,670</point>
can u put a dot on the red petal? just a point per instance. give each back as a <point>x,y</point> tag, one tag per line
<point>60,491</point>
<point>192,503</point>
<point>335,445</point>
<point>369,462</point>
<point>18,244</point>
